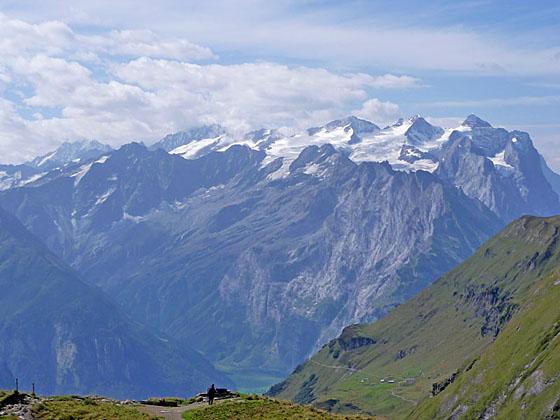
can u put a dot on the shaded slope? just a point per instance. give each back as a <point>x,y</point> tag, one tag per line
<point>389,366</point>
<point>68,337</point>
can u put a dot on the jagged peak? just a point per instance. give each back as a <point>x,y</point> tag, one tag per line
<point>132,148</point>
<point>408,121</point>
<point>174,140</point>
<point>417,120</point>
<point>358,125</point>
<point>474,121</point>
<point>421,131</point>
<point>262,134</point>
<point>361,126</point>
<point>70,151</point>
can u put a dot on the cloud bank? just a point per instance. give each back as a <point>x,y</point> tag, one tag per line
<point>59,84</point>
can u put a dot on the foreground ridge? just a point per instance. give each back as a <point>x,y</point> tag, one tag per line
<point>482,341</point>
<point>244,407</point>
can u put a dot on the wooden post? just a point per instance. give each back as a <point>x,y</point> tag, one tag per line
<point>33,387</point>
<point>17,385</point>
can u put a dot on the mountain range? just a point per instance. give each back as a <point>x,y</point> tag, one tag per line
<point>486,162</point>
<point>257,250</point>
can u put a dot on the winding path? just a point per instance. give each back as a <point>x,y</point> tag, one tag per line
<point>402,398</point>
<point>356,370</point>
<point>351,369</point>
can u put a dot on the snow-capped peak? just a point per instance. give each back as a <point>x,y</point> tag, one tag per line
<point>397,123</point>
<point>70,152</point>
<point>421,131</point>
<point>173,141</point>
<point>409,144</point>
<point>357,125</point>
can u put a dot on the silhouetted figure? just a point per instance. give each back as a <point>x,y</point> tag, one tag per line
<point>211,394</point>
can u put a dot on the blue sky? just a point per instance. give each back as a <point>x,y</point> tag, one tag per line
<point>128,70</point>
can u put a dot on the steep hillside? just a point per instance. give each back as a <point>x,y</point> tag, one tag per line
<point>68,337</point>
<point>482,338</point>
<point>518,376</point>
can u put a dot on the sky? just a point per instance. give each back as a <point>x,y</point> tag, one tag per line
<point>137,70</point>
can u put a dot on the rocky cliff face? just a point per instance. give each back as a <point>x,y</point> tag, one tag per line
<point>501,169</point>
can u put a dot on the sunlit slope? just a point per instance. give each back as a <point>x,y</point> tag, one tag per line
<point>438,336</point>
<point>519,374</point>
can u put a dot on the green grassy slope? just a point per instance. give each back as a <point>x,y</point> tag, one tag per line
<point>260,408</point>
<point>518,375</point>
<point>66,408</point>
<point>446,333</point>
<point>247,407</point>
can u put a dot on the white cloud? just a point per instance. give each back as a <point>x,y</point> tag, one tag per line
<point>148,98</point>
<point>16,140</point>
<point>376,42</point>
<point>118,86</point>
<point>333,32</point>
<point>146,43</point>
<point>54,38</point>
<point>390,81</point>
<point>383,113</point>
<point>252,95</point>
<point>4,77</point>
<point>19,38</point>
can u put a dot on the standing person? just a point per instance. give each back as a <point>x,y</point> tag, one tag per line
<point>211,394</point>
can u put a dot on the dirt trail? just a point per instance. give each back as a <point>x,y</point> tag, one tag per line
<point>351,369</point>
<point>402,398</point>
